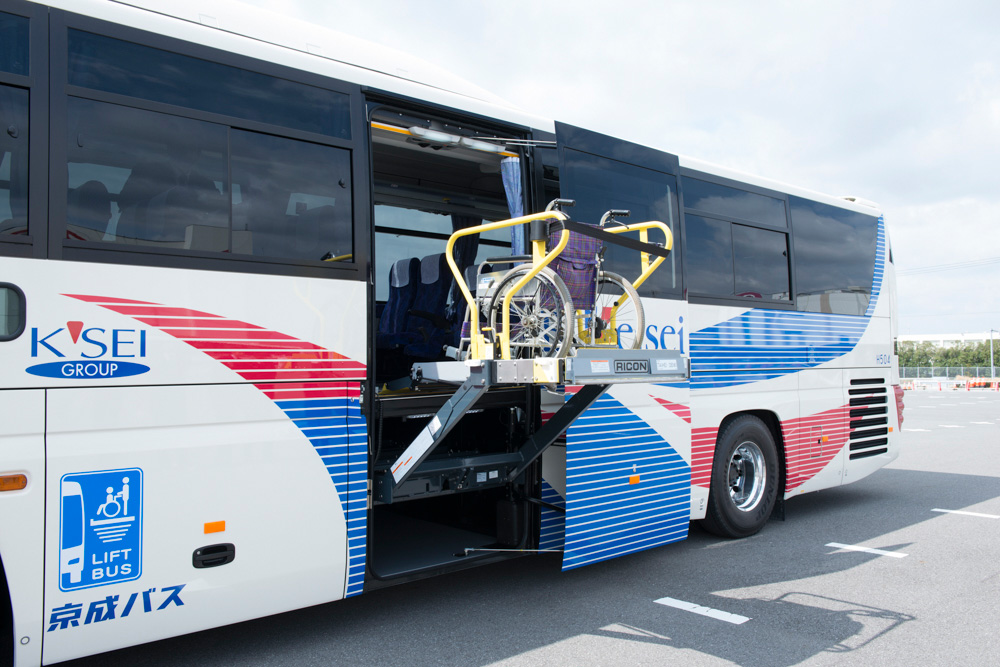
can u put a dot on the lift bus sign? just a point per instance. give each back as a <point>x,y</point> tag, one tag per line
<point>100,528</point>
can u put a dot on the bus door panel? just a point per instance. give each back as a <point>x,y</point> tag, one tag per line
<point>815,443</point>
<point>628,473</point>
<point>22,515</point>
<point>175,509</point>
<point>628,457</point>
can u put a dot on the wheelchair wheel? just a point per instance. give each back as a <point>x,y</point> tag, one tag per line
<point>541,314</point>
<point>617,319</point>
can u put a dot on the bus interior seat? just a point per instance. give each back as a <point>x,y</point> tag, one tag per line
<point>427,322</point>
<point>146,181</point>
<point>404,276</point>
<point>89,206</point>
<point>183,206</point>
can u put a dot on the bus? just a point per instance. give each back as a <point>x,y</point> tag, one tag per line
<point>236,255</point>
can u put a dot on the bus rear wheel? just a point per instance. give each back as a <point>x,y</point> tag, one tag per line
<point>744,485</point>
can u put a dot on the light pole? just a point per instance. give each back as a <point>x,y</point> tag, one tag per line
<point>992,368</point>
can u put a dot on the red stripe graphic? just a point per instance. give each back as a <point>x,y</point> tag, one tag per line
<point>105,299</point>
<point>702,453</point>
<point>805,452</point>
<point>682,411</point>
<point>252,352</point>
<point>196,323</point>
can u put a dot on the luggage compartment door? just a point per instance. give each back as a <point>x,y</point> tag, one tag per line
<point>628,487</point>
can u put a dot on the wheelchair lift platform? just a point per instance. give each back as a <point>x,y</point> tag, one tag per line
<point>593,369</point>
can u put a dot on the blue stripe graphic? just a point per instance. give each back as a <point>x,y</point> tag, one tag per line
<point>338,432</point>
<point>606,515</point>
<point>879,266</point>
<point>553,529</point>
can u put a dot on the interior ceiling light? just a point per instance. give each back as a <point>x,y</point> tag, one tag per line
<point>434,138</point>
<point>477,145</point>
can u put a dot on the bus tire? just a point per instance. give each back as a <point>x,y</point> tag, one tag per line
<point>6,622</point>
<point>744,483</point>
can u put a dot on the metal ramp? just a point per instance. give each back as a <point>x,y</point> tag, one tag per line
<point>594,369</point>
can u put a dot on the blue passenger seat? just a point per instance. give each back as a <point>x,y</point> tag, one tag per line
<point>404,277</point>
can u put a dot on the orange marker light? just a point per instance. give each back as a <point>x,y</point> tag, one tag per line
<point>13,482</point>
<point>215,527</point>
<point>634,479</point>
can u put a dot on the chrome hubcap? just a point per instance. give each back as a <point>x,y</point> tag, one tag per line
<point>745,478</point>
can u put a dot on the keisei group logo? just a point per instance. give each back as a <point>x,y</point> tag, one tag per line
<point>101,353</point>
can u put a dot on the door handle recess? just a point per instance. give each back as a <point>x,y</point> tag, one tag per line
<point>213,555</point>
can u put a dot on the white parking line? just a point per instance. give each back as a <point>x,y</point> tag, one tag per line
<point>735,619</point>
<point>990,423</point>
<point>917,430</point>
<point>949,426</point>
<point>984,516</point>
<point>867,550</point>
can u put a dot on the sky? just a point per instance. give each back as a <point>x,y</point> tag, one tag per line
<point>895,102</point>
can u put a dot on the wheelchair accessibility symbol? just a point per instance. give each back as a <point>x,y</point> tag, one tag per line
<point>100,528</point>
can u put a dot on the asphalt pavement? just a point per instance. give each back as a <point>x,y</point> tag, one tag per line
<point>900,568</point>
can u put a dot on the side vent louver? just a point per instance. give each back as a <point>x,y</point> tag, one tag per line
<point>869,418</point>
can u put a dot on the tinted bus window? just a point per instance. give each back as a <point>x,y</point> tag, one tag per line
<point>709,256</point>
<point>730,260</point>
<point>291,198</point>
<point>761,263</point>
<point>116,66</point>
<point>732,203</point>
<point>648,194</point>
<point>144,178</point>
<point>834,257</point>
<point>13,44</point>
<point>13,161</point>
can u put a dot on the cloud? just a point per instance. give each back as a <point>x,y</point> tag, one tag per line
<point>896,102</point>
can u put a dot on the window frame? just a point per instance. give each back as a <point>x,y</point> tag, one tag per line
<point>61,248</point>
<point>703,298</point>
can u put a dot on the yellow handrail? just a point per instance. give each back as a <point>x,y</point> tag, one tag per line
<point>643,229</point>
<point>610,337</point>
<point>477,342</point>
<point>540,259</point>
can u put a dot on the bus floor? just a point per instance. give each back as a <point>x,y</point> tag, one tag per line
<point>405,544</point>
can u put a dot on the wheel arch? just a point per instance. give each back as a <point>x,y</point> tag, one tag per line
<point>773,424</point>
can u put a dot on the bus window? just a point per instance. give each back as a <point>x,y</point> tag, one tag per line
<point>13,44</point>
<point>834,257</point>
<point>598,183</point>
<point>136,70</point>
<point>166,175</point>
<point>144,178</point>
<point>13,161</point>
<point>291,199</point>
<point>727,254</point>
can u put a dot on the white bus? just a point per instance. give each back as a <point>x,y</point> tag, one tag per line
<point>227,311</point>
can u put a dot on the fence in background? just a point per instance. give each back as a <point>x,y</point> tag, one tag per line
<point>950,372</point>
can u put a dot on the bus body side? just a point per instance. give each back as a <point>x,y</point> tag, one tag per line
<point>195,385</point>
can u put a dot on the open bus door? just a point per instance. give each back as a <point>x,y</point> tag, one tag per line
<point>625,474</point>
